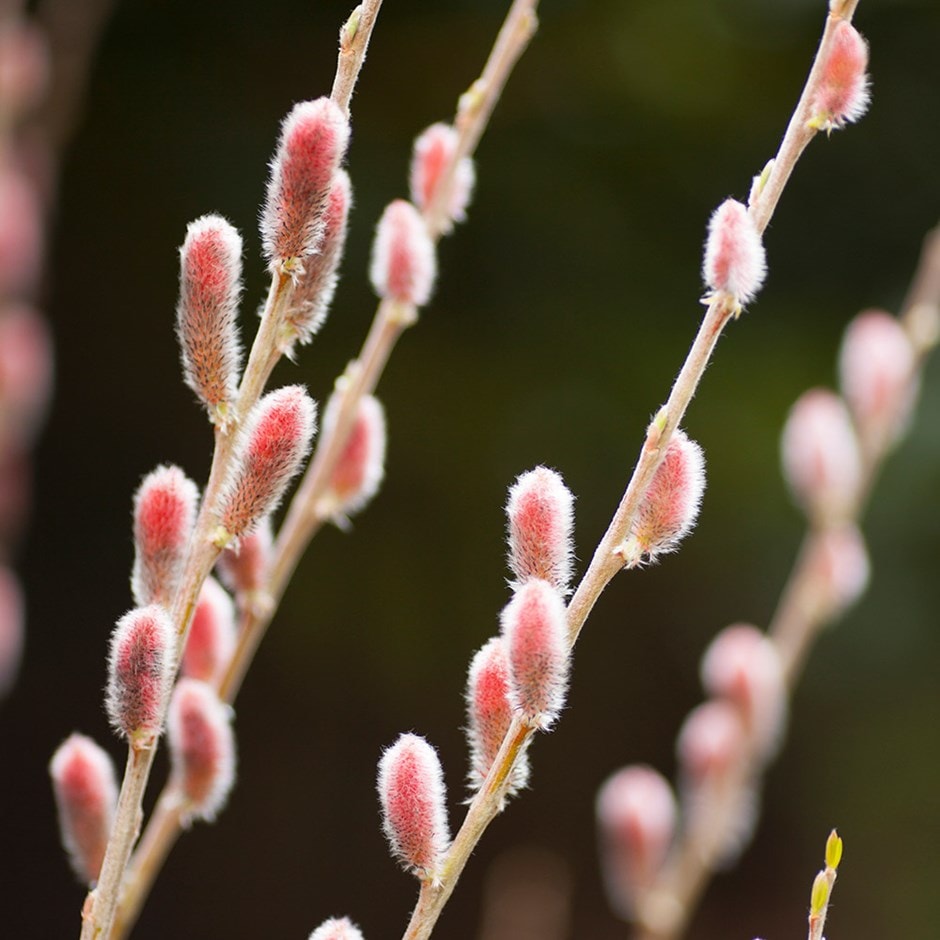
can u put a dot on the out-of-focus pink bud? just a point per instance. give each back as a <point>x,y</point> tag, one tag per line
<point>24,68</point>
<point>878,371</point>
<point>164,515</point>
<point>821,461</point>
<point>404,264</point>
<point>434,151</point>
<point>636,813</point>
<point>86,793</point>
<point>489,714</point>
<point>275,440</point>
<point>735,263</point>
<point>202,748</point>
<point>841,94</point>
<point>313,141</point>
<point>26,370</point>
<point>414,815</point>
<point>21,232</point>
<point>141,666</point>
<point>337,929</point>
<point>359,471</point>
<point>711,740</point>
<point>534,625</point>
<point>540,516</point>
<point>842,567</point>
<point>314,290</point>
<point>207,313</point>
<point>11,629</point>
<point>671,504</point>
<point>211,637</point>
<point>244,567</point>
<point>742,665</point>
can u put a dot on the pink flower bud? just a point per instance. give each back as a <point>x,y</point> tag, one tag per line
<point>878,371</point>
<point>314,290</point>
<point>202,748</point>
<point>211,639</point>
<point>243,568</point>
<point>841,95</point>
<point>489,714</point>
<point>534,625</point>
<point>434,150</point>
<point>26,370</point>
<point>841,564</point>
<point>337,929</point>
<point>361,466</point>
<point>21,233</point>
<point>742,665</point>
<point>164,516</point>
<point>414,816</point>
<point>671,504</point>
<point>86,794</point>
<point>313,141</point>
<point>540,514</point>
<point>636,812</point>
<point>734,253</point>
<point>275,440</point>
<point>711,740</point>
<point>404,264</point>
<point>141,667</point>
<point>11,628</point>
<point>24,67</point>
<point>821,461</point>
<point>207,313</point>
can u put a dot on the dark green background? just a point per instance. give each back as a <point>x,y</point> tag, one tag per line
<point>564,309</point>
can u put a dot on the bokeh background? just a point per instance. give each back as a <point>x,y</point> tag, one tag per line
<point>564,308</point>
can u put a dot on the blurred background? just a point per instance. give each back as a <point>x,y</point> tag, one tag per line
<point>564,308</point>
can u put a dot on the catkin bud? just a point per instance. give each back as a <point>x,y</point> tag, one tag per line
<point>404,264</point>
<point>164,516</point>
<point>337,929</point>
<point>207,313</point>
<point>211,639</point>
<point>11,628</point>
<point>275,440</point>
<point>140,674</point>
<point>878,376</point>
<point>840,561</point>
<point>670,506</point>
<point>26,373</point>
<point>21,232</point>
<point>540,516</point>
<point>820,454</point>
<point>735,264</point>
<point>313,141</point>
<point>314,290</point>
<point>434,150</point>
<point>86,793</point>
<point>534,625</point>
<point>243,568</point>
<point>489,714</point>
<point>414,816</point>
<point>711,740</point>
<point>202,748</point>
<point>636,814</point>
<point>841,95</point>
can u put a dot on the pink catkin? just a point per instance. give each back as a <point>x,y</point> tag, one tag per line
<point>359,471</point>
<point>489,714</point>
<point>202,748</point>
<point>404,264</point>
<point>711,740</point>
<point>244,568</point>
<point>25,68</point>
<point>540,516</point>
<point>340,928</point>
<point>140,674</point>
<point>11,628</point>
<point>26,372</point>
<point>314,290</point>
<point>313,142</point>
<point>820,455</point>
<point>434,150</point>
<point>842,568</point>
<point>671,504</point>
<point>21,233</point>
<point>206,316</point>
<point>275,441</point>
<point>164,516</point>
<point>841,95</point>
<point>86,793</point>
<point>734,263</point>
<point>211,639</point>
<point>414,815</point>
<point>535,629</point>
